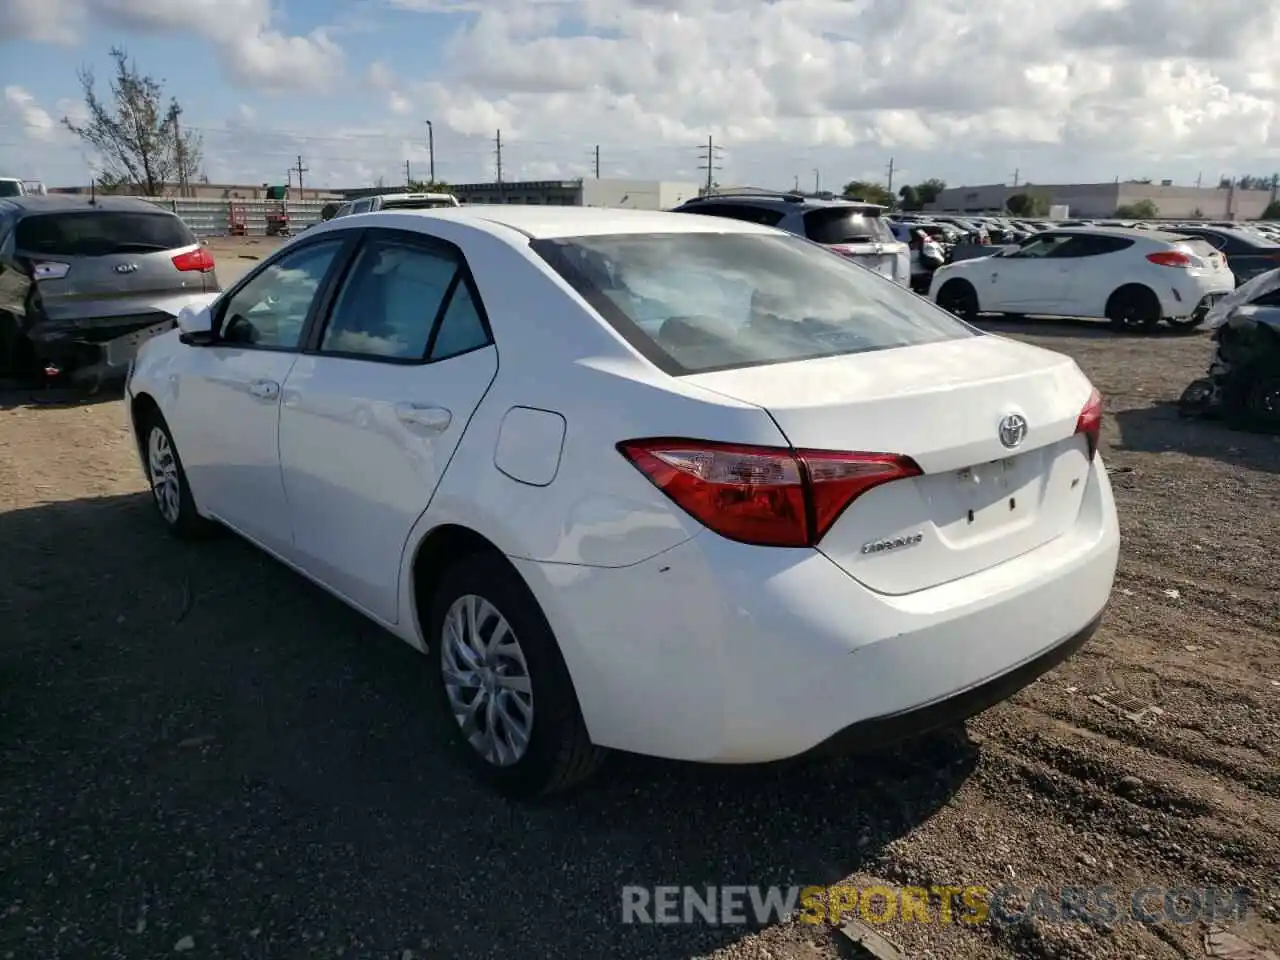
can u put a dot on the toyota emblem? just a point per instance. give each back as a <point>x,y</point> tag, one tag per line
<point>126,267</point>
<point>1013,430</point>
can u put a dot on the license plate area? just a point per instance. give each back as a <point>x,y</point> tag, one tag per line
<point>993,497</point>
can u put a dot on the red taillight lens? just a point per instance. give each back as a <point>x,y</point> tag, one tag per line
<point>768,496</point>
<point>1169,258</point>
<point>1089,422</point>
<point>199,259</point>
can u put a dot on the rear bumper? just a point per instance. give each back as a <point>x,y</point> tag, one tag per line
<point>956,708</point>
<point>719,652</point>
<point>1190,299</point>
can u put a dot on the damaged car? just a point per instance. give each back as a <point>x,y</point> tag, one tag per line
<point>85,281</point>
<point>1242,385</point>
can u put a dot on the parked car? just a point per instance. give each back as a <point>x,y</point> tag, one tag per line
<point>1248,254</point>
<point>856,230</point>
<point>1134,278</point>
<point>84,282</point>
<point>397,201</point>
<point>675,485</point>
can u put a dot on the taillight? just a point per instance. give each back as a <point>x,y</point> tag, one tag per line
<point>197,259</point>
<point>49,270</point>
<point>1089,422</point>
<point>1169,258</point>
<point>768,496</point>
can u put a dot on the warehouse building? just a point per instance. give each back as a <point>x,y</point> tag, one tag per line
<point>632,194</point>
<point>1102,199</point>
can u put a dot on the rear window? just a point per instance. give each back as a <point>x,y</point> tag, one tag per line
<point>1201,248</point>
<point>697,302</point>
<point>415,204</point>
<point>845,225</point>
<point>98,233</point>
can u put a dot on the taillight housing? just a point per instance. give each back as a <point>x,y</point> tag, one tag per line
<point>766,496</point>
<point>1089,422</point>
<point>1169,258</point>
<point>198,259</point>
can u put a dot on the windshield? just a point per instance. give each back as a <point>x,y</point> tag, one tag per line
<point>697,302</point>
<point>99,233</point>
<point>10,188</point>
<point>846,225</point>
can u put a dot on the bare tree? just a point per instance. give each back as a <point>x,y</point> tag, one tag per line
<point>137,135</point>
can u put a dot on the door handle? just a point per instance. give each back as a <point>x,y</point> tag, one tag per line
<point>265,389</point>
<point>434,419</point>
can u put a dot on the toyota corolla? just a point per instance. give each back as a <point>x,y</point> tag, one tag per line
<point>653,482</point>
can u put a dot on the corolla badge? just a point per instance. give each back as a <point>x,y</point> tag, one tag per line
<point>126,267</point>
<point>893,543</point>
<point>1013,430</point>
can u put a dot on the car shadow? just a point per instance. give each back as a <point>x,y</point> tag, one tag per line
<point>1075,328</point>
<point>14,396</point>
<point>1160,429</point>
<point>199,742</point>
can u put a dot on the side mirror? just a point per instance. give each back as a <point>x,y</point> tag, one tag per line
<point>195,325</point>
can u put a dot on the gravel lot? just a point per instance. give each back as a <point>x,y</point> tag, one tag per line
<point>196,743</point>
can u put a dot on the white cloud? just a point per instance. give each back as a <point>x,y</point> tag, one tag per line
<point>34,119</point>
<point>243,31</point>
<point>950,88</point>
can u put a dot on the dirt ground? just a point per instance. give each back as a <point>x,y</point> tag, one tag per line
<point>197,743</point>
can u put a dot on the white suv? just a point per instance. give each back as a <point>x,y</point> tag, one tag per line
<point>1134,278</point>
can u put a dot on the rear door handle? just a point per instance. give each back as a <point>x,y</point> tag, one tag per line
<point>265,389</point>
<point>433,419</point>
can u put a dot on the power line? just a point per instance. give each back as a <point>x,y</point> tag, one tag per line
<point>709,158</point>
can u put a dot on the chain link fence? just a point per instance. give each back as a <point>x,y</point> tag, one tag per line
<point>212,218</point>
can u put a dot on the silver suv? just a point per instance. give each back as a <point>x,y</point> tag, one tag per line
<point>397,201</point>
<point>852,228</point>
<point>83,283</point>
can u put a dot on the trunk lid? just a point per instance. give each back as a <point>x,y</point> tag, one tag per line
<point>978,502</point>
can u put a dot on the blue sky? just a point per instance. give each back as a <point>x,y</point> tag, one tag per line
<point>790,90</point>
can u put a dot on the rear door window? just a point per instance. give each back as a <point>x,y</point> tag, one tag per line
<point>1078,247</point>
<point>100,233</point>
<point>830,225</point>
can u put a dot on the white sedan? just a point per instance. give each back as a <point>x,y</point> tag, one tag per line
<point>670,484</point>
<point>1134,278</point>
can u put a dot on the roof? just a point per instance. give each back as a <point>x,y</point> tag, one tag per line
<point>1131,233</point>
<point>79,203</point>
<point>788,200</point>
<point>539,222</point>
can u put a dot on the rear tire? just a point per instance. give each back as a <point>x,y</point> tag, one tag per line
<point>1134,309</point>
<point>170,491</point>
<point>959,297</point>
<point>504,689</point>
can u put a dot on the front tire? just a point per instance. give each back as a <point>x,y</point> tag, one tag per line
<point>169,488</point>
<point>506,693</point>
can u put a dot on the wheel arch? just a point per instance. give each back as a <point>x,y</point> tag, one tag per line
<point>1131,288</point>
<point>142,407</point>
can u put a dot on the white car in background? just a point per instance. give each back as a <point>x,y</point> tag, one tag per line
<point>683,486</point>
<point>1134,278</point>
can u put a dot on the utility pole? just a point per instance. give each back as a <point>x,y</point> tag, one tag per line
<point>890,186</point>
<point>709,163</point>
<point>1016,176</point>
<point>797,186</point>
<point>408,180</point>
<point>301,170</point>
<point>497,152</point>
<point>1199,179</point>
<point>597,161</point>
<point>817,180</point>
<point>431,152</point>
<point>180,151</point>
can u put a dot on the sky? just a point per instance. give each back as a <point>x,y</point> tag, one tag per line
<point>792,92</point>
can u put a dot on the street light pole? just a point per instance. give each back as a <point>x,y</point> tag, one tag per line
<point>431,151</point>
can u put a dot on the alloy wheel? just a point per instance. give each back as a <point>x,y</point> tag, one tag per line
<point>163,466</point>
<point>486,679</point>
